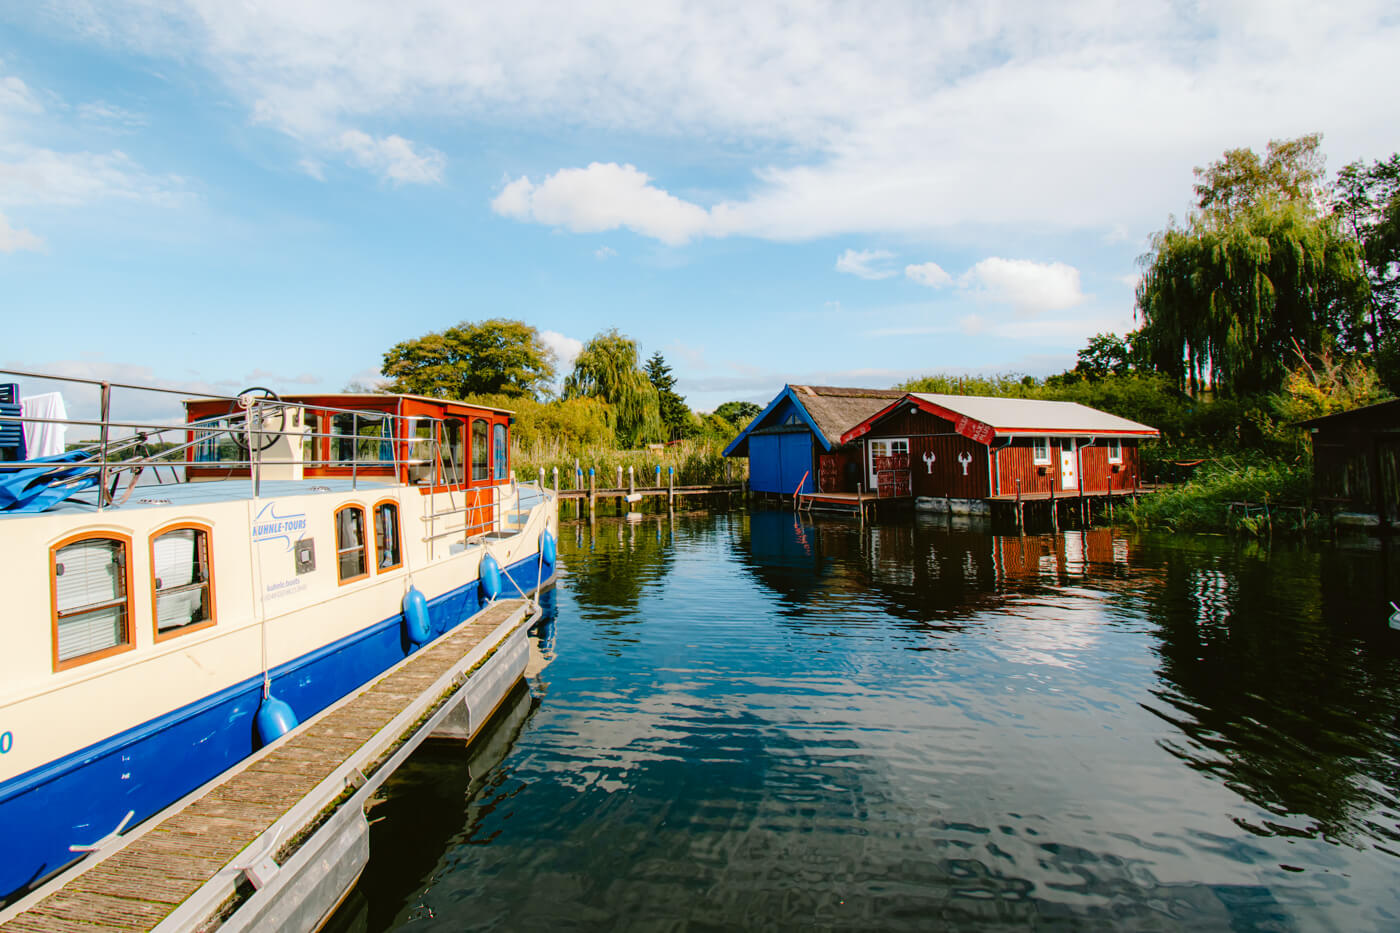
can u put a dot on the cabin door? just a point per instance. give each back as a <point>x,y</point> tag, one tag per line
<point>1069,471</point>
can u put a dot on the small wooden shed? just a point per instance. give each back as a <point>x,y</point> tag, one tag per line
<point>1356,460</point>
<point>794,445</point>
<point>978,447</point>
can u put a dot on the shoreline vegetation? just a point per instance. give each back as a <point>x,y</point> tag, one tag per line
<point>1276,299</point>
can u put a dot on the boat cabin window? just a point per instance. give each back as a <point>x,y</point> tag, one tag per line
<point>499,448</point>
<point>361,436</point>
<point>481,463</point>
<point>1115,451</point>
<point>182,581</point>
<point>420,451</point>
<point>215,443</point>
<point>1040,450</point>
<point>454,460</point>
<point>350,543</point>
<point>311,440</point>
<point>91,580</point>
<point>386,536</point>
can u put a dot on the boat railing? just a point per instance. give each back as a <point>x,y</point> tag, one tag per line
<point>254,424</point>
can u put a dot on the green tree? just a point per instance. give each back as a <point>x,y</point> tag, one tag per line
<point>1367,200</point>
<point>1105,355</point>
<point>495,357</point>
<point>607,369</point>
<point>675,414</point>
<point>1255,272</point>
<point>739,414</point>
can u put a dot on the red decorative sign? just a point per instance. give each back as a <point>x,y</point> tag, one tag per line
<point>975,430</point>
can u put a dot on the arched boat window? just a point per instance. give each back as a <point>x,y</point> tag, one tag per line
<point>91,580</point>
<point>350,543</point>
<point>454,459</point>
<point>481,455</point>
<point>499,447</point>
<point>386,537</point>
<point>182,581</point>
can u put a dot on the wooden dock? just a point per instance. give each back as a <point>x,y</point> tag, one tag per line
<point>187,866</point>
<point>622,495</point>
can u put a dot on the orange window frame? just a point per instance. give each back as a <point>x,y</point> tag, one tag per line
<point>208,533</point>
<point>398,534</point>
<point>129,629</point>
<point>364,544</point>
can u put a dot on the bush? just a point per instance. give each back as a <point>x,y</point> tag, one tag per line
<point>1203,502</point>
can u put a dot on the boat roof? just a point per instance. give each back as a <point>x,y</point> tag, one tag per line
<point>1007,417</point>
<point>312,398</point>
<point>158,495</point>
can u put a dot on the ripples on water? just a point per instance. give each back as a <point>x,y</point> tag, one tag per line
<point>765,722</point>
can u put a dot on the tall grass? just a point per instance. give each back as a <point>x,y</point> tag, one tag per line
<point>696,463</point>
<point>1203,503</point>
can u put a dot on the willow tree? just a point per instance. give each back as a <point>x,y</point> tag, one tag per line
<point>1256,275</point>
<point>607,368</point>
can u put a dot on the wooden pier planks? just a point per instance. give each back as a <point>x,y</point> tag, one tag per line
<point>141,884</point>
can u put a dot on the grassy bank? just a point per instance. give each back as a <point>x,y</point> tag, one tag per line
<point>696,463</point>
<point>1278,495</point>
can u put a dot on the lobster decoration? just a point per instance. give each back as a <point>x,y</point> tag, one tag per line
<point>928,461</point>
<point>965,459</point>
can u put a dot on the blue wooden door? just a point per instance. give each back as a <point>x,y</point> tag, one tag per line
<point>764,463</point>
<point>795,459</point>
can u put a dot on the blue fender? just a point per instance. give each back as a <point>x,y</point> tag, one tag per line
<point>548,550</point>
<point>416,622</point>
<point>490,575</point>
<point>274,720</point>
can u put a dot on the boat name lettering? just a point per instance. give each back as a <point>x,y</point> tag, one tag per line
<point>7,742</point>
<point>269,526</point>
<point>283,588</point>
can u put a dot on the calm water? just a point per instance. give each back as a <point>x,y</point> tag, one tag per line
<point>755,721</point>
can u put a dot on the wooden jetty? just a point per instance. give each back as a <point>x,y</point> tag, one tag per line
<point>276,842</point>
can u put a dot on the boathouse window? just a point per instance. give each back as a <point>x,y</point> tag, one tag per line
<point>350,543</point>
<point>91,580</point>
<point>182,581</point>
<point>1115,451</point>
<point>1040,450</point>
<point>386,536</point>
<point>481,454</point>
<point>499,446</point>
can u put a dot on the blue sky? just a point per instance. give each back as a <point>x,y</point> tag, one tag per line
<point>212,194</point>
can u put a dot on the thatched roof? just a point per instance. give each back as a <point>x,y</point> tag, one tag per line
<point>836,409</point>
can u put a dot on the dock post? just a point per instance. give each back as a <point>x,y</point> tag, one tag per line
<point>671,488</point>
<point>619,477</point>
<point>592,493</point>
<point>1054,511</point>
<point>1020,509</point>
<point>631,482</point>
<point>578,475</point>
<point>658,476</point>
<point>556,484</point>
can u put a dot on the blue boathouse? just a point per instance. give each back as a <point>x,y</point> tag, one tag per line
<point>794,445</point>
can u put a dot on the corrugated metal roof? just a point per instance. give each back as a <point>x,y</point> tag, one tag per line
<point>1036,416</point>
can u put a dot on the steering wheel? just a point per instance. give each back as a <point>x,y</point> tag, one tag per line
<point>265,434</point>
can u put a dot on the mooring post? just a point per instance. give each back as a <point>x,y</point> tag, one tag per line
<point>556,484</point>
<point>578,475</point>
<point>1020,509</point>
<point>592,493</point>
<point>658,476</point>
<point>671,488</point>
<point>619,477</point>
<point>1054,512</point>
<point>631,483</point>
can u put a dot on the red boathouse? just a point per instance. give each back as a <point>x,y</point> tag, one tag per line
<point>976,447</point>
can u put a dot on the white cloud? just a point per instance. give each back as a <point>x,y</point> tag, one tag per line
<point>30,175</point>
<point>1025,285</point>
<point>566,349</point>
<point>604,252</point>
<point>312,167</point>
<point>603,196</point>
<point>930,274</point>
<point>16,97</point>
<point>13,239</point>
<point>99,111</point>
<point>393,158</point>
<point>921,119</point>
<point>866,263</point>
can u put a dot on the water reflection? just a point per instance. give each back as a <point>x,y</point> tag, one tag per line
<point>772,721</point>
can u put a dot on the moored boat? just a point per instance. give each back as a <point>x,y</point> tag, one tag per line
<point>178,595</point>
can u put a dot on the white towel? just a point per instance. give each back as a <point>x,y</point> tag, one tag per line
<point>43,440</point>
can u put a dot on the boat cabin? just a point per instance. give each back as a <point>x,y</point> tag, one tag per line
<point>794,445</point>
<point>438,444</point>
<point>976,447</point>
